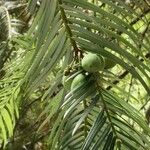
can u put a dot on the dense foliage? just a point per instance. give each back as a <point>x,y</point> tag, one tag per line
<point>74,74</point>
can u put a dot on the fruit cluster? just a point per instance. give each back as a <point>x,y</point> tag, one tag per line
<point>91,63</point>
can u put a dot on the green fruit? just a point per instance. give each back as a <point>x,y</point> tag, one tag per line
<point>67,82</point>
<point>109,63</point>
<point>78,80</point>
<point>92,63</point>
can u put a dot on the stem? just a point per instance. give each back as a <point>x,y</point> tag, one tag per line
<point>129,91</point>
<point>64,18</point>
<point>85,120</point>
<point>106,110</point>
<point>107,113</point>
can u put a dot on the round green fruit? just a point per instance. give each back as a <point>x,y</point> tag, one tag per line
<point>78,80</point>
<point>109,63</point>
<point>92,63</point>
<point>67,82</point>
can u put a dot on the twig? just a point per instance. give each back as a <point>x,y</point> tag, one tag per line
<point>141,16</point>
<point>65,20</point>
<point>130,86</point>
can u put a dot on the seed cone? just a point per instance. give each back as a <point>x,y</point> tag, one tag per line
<point>92,63</point>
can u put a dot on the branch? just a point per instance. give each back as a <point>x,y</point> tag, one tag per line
<point>64,18</point>
<point>126,72</point>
